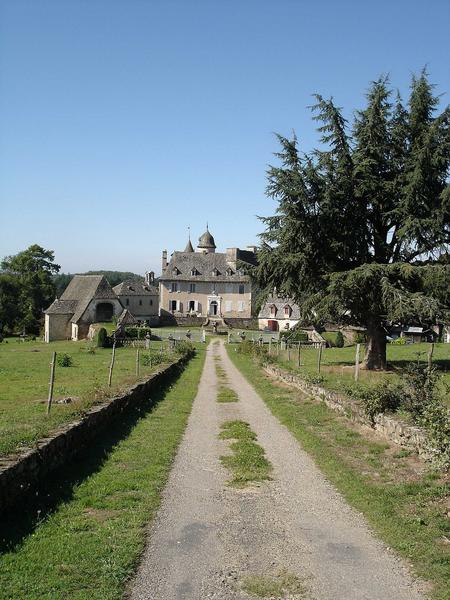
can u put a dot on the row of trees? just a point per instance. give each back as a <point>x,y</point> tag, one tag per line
<point>26,288</point>
<point>362,229</point>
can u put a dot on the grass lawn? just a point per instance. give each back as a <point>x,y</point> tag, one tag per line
<point>24,382</point>
<point>85,538</point>
<point>337,364</point>
<point>405,503</point>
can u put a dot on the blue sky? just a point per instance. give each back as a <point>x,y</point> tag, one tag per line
<point>124,122</point>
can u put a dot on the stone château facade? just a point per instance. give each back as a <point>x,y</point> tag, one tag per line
<point>205,284</point>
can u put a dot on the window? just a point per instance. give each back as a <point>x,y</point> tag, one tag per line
<point>287,311</point>
<point>127,302</point>
<point>140,302</point>
<point>229,288</point>
<point>174,286</point>
<point>191,306</point>
<point>194,272</point>
<point>192,287</point>
<point>215,272</point>
<point>172,305</point>
<point>229,271</point>
<point>151,302</point>
<point>228,306</point>
<point>273,310</point>
<point>241,288</point>
<point>241,306</point>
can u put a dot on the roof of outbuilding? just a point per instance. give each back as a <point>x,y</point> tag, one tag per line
<point>279,303</point>
<point>182,264</point>
<point>132,287</point>
<point>79,293</point>
<point>126,318</point>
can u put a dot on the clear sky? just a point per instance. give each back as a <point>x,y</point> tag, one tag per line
<point>124,122</point>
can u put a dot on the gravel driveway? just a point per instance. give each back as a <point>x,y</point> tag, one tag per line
<point>208,537</point>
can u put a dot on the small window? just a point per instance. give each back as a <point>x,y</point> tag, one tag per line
<point>194,272</point>
<point>151,302</point>
<point>241,288</point>
<point>240,307</point>
<point>174,286</point>
<point>273,310</point>
<point>228,306</point>
<point>191,306</point>
<point>127,302</point>
<point>172,305</point>
<point>287,310</point>
<point>140,302</point>
<point>192,287</point>
<point>229,271</point>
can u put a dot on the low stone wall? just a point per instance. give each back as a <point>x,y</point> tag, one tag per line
<point>407,436</point>
<point>20,473</point>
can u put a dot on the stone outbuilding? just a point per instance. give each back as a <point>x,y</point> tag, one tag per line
<point>140,298</point>
<point>87,299</point>
<point>278,314</point>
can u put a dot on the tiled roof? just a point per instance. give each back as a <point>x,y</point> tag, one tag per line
<point>62,307</point>
<point>183,264</point>
<point>279,303</point>
<point>132,287</point>
<point>126,318</point>
<point>77,295</point>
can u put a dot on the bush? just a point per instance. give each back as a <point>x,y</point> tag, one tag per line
<point>152,359</point>
<point>64,360</point>
<point>294,335</point>
<point>102,338</point>
<point>400,341</point>
<point>385,396</point>
<point>339,340</point>
<point>185,348</point>
<point>137,332</point>
<point>360,338</point>
<point>421,389</point>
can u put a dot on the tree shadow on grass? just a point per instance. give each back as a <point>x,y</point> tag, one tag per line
<point>40,502</point>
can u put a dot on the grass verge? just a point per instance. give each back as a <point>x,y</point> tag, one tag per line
<point>247,462</point>
<point>226,394</point>
<point>281,585</point>
<point>407,505</point>
<point>83,535</point>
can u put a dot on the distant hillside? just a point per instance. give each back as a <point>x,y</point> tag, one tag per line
<point>114,277</point>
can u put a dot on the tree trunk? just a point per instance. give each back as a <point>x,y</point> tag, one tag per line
<point>375,358</point>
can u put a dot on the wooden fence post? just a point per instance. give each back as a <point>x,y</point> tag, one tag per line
<point>137,362</point>
<point>298,355</point>
<point>319,358</point>
<point>358,346</point>
<point>430,356</point>
<point>52,380</point>
<point>111,366</point>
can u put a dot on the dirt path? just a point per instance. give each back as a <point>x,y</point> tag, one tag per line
<point>208,537</point>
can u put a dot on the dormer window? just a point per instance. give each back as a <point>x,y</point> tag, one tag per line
<point>287,311</point>
<point>229,271</point>
<point>130,288</point>
<point>176,271</point>
<point>194,272</point>
<point>215,272</point>
<point>273,310</point>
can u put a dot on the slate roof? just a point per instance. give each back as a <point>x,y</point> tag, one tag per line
<point>182,264</point>
<point>189,247</point>
<point>126,318</point>
<point>280,303</point>
<point>206,240</point>
<point>79,293</point>
<point>132,287</point>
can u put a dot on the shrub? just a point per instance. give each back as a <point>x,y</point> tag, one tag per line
<point>360,338</point>
<point>339,340</point>
<point>102,338</point>
<point>400,341</point>
<point>420,387</point>
<point>137,332</point>
<point>64,360</point>
<point>152,359</point>
<point>383,397</point>
<point>185,348</point>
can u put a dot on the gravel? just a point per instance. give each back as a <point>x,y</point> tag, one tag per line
<point>208,536</point>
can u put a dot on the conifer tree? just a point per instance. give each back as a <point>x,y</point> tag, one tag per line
<point>362,228</point>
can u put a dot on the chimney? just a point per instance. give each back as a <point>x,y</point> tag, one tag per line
<point>149,277</point>
<point>164,260</point>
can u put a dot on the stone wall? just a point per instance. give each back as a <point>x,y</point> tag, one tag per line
<point>19,474</point>
<point>407,436</point>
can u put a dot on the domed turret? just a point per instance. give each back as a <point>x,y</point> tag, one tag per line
<point>206,242</point>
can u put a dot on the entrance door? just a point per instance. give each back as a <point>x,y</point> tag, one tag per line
<point>213,308</point>
<point>272,325</point>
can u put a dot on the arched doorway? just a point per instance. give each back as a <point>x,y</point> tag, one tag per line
<point>104,312</point>
<point>213,308</point>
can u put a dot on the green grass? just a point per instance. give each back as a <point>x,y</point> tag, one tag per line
<point>281,585</point>
<point>86,541</point>
<point>24,382</point>
<point>247,462</point>
<point>337,364</point>
<point>405,506</point>
<point>226,394</point>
